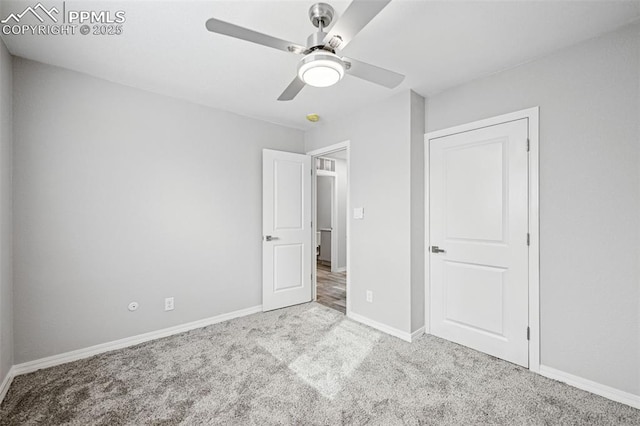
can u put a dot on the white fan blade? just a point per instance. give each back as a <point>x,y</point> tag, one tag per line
<point>358,14</point>
<point>225,28</point>
<point>373,74</point>
<point>292,90</point>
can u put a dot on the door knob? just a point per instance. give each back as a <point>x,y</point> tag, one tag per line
<point>436,249</point>
<point>270,238</point>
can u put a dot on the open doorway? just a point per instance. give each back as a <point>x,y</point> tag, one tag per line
<point>331,228</point>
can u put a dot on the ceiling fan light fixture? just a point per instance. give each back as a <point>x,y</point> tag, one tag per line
<point>321,69</point>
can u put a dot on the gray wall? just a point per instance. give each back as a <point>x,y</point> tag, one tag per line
<point>339,231</point>
<point>123,195</point>
<point>380,181</point>
<point>323,200</point>
<point>417,211</point>
<point>341,170</point>
<point>6,224</point>
<point>589,98</point>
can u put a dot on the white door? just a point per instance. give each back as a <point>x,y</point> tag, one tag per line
<point>286,228</point>
<point>478,235</point>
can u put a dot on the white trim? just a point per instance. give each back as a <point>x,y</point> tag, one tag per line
<point>348,230</point>
<point>591,386</point>
<point>492,121</point>
<point>54,360</point>
<point>419,332</point>
<point>346,145</point>
<point>6,383</point>
<point>329,149</point>
<point>532,115</point>
<point>314,230</point>
<point>427,238</point>
<point>335,225</point>
<point>341,269</point>
<point>382,327</point>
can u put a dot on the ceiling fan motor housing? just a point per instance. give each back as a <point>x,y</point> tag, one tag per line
<point>321,15</point>
<point>316,41</point>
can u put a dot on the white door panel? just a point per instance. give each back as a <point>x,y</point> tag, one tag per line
<point>286,225</point>
<point>469,291</point>
<point>478,216</point>
<point>474,183</point>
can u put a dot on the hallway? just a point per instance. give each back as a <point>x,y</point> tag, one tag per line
<point>332,288</point>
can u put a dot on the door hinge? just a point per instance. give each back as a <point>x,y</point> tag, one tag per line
<point>528,333</point>
<point>528,145</point>
<point>528,239</point>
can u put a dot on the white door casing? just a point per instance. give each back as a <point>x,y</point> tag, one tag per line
<point>286,227</point>
<point>347,231</point>
<point>479,217</point>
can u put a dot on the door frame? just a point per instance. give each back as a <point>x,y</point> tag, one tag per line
<point>532,115</point>
<point>346,145</point>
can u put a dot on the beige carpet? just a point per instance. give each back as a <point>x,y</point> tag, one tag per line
<point>305,365</point>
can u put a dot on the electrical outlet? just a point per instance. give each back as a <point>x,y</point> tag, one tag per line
<point>168,304</point>
<point>369,296</point>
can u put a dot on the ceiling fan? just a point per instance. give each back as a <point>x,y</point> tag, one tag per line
<point>321,66</point>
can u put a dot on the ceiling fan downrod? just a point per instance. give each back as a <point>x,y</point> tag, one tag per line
<point>321,16</point>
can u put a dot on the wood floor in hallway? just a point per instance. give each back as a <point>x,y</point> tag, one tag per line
<point>332,288</point>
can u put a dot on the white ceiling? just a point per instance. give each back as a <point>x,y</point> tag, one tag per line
<point>166,49</point>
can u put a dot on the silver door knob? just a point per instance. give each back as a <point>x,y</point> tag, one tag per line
<point>436,249</point>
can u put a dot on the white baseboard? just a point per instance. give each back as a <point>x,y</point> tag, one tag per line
<point>54,360</point>
<point>28,367</point>
<point>591,386</point>
<point>342,269</point>
<point>419,332</point>
<point>6,382</point>
<point>382,327</point>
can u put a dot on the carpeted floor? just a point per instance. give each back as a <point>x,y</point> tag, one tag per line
<point>301,365</point>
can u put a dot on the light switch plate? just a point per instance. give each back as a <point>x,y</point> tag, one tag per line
<point>358,213</point>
